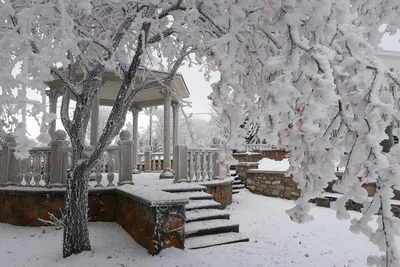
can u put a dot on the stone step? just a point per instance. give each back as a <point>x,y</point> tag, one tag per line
<point>195,195</point>
<point>210,227</point>
<point>202,204</point>
<point>206,214</point>
<point>184,187</point>
<point>238,186</point>
<point>235,191</point>
<point>237,182</point>
<point>214,240</point>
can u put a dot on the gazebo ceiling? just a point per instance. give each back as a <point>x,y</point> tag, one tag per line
<point>149,97</point>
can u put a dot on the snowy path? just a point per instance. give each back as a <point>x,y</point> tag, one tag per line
<point>274,241</point>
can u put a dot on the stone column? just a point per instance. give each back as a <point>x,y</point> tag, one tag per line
<point>94,121</point>
<point>167,174</point>
<point>7,160</point>
<point>58,169</point>
<point>125,169</point>
<point>175,136</point>
<point>53,96</point>
<point>135,126</point>
<point>12,168</point>
<point>181,166</point>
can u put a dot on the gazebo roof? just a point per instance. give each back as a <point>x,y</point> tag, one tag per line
<point>149,97</point>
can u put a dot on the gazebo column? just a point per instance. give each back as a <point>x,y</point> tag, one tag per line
<point>94,121</point>
<point>135,124</point>
<point>175,126</point>
<point>167,174</point>
<point>53,96</point>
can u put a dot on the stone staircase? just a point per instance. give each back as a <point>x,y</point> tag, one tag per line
<point>237,185</point>
<point>207,224</point>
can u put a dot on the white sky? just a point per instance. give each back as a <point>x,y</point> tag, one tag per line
<point>199,89</point>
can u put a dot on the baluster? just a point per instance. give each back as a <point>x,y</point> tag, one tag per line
<point>140,161</point>
<point>46,168</point>
<point>210,165</point>
<point>36,169</point>
<point>159,163</point>
<point>204,165</point>
<point>110,174</point>
<point>153,162</point>
<point>19,172</point>
<point>28,170</point>
<point>191,166</point>
<point>25,171</point>
<point>98,175</point>
<point>198,166</point>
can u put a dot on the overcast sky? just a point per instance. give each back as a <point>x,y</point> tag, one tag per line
<point>199,89</point>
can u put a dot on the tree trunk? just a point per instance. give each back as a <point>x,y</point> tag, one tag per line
<point>76,230</point>
<point>388,143</point>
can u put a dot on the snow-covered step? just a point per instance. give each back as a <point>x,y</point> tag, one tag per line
<point>202,204</point>
<point>210,227</point>
<point>184,187</point>
<point>195,195</point>
<point>214,240</point>
<point>237,182</point>
<point>206,214</point>
<point>235,191</point>
<point>238,186</point>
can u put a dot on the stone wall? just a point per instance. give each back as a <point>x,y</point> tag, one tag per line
<point>155,226</point>
<point>221,191</point>
<point>255,157</point>
<point>271,183</point>
<point>246,157</point>
<point>24,207</point>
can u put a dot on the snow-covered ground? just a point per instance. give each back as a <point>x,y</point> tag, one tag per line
<point>281,165</point>
<point>274,241</point>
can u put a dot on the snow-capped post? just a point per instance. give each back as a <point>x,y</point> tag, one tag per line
<point>53,96</point>
<point>219,167</point>
<point>181,165</point>
<point>147,159</point>
<point>4,163</point>
<point>12,168</point>
<point>125,169</point>
<point>8,167</point>
<point>57,161</point>
<point>135,125</point>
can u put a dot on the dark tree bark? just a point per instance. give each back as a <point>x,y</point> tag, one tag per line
<point>76,229</point>
<point>388,143</point>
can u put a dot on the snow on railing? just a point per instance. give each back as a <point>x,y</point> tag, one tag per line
<point>258,147</point>
<point>200,164</point>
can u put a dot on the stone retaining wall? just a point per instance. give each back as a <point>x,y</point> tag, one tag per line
<point>255,157</point>
<point>271,183</point>
<point>221,191</point>
<point>156,228</point>
<point>154,225</point>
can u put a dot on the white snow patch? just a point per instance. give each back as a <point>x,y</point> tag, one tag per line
<point>273,165</point>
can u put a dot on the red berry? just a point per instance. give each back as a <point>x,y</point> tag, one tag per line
<point>360,178</point>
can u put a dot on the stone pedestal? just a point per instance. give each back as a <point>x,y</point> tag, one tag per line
<point>125,169</point>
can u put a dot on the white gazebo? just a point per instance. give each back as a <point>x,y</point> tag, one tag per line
<point>154,96</point>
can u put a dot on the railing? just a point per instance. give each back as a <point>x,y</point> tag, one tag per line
<point>50,166</point>
<point>258,147</point>
<point>200,164</point>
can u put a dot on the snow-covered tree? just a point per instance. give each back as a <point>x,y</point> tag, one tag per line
<point>67,38</point>
<point>302,70</point>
